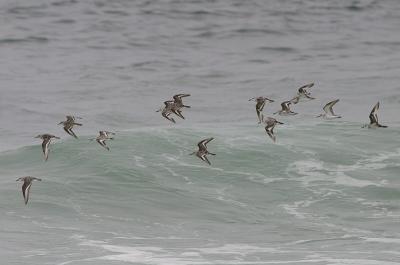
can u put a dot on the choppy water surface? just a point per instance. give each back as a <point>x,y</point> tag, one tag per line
<point>327,192</point>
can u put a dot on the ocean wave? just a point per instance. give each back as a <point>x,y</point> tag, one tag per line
<point>148,183</point>
<point>29,39</point>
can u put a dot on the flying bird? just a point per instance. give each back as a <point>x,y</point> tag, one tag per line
<point>303,93</point>
<point>69,124</point>
<point>46,142</point>
<point>260,104</point>
<point>178,100</point>
<point>328,109</point>
<point>178,104</point>
<point>27,186</point>
<point>285,109</point>
<point>103,136</point>
<point>373,117</point>
<point>170,108</point>
<point>269,127</point>
<point>203,152</point>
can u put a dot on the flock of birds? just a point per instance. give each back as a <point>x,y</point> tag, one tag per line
<point>304,94</point>
<point>46,139</point>
<point>176,107</point>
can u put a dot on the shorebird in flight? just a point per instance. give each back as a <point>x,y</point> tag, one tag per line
<point>45,144</point>
<point>103,136</point>
<point>69,124</point>
<point>373,117</point>
<point>269,127</point>
<point>286,109</point>
<point>178,104</point>
<point>27,186</point>
<point>260,104</point>
<point>178,100</point>
<point>170,108</point>
<point>303,93</point>
<point>203,152</point>
<point>328,108</point>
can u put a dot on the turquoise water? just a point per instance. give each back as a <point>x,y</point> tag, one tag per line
<point>329,199</point>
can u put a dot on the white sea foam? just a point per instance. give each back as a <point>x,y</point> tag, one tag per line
<point>156,255</point>
<point>313,171</point>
